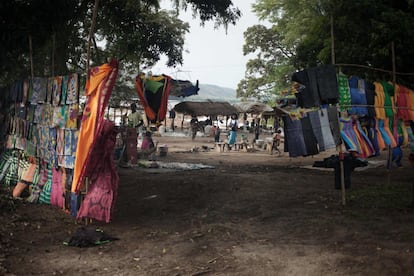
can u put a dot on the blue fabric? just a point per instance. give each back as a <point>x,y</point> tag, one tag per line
<point>294,137</point>
<point>326,129</point>
<point>317,129</point>
<point>358,97</point>
<point>232,137</point>
<point>74,204</point>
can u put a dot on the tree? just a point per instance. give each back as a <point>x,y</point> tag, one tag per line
<point>137,32</point>
<point>300,37</point>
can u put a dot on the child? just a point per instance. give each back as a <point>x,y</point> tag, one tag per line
<point>217,133</point>
<point>147,146</point>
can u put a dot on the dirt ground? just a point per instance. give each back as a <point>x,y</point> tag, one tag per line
<point>251,214</point>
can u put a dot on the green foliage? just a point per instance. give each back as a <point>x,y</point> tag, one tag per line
<point>137,32</point>
<point>300,37</point>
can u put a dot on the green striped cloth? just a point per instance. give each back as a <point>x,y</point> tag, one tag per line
<point>47,188</point>
<point>11,175</point>
<point>5,162</point>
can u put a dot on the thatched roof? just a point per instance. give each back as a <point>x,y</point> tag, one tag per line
<point>205,108</point>
<point>252,107</point>
<point>276,112</point>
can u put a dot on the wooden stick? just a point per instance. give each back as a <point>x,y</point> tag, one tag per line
<point>91,33</point>
<point>53,54</point>
<point>372,68</point>
<point>31,57</point>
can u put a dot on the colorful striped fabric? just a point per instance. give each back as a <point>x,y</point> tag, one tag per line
<point>47,188</point>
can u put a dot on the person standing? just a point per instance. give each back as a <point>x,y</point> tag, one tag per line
<point>217,133</point>
<point>194,126</point>
<point>232,137</point>
<point>134,118</point>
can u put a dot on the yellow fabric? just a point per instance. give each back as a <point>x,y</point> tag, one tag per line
<point>379,101</point>
<point>89,120</point>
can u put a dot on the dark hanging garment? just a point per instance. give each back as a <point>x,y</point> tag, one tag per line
<point>334,124</point>
<point>294,137</point>
<point>309,94</point>
<point>321,85</point>
<point>370,96</point>
<point>308,137</point>
<point>327,84</point>
<point>317,128</point>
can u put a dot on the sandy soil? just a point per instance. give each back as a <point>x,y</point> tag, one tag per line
<point>251,214</point>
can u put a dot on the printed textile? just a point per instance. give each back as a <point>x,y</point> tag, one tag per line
<point>98,90</point>
<point>153,93</point>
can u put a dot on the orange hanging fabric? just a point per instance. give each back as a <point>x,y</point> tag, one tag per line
<point>153,94</point>
<point>98,90</point>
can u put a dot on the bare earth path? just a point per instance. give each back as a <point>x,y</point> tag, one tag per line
<point>251,214</point>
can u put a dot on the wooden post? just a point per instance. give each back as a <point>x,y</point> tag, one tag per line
<point>339,147</point>
<point>91,32</point>
<point>332,42</point>
<point>31,57</point>
<point>389,161</point>
<point>53,54</point>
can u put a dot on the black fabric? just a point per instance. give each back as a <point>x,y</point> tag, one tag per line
<point>309,138</point>
<point>321,86</point>
<point>294,141</point>
<point>350,163</point>
<point>309,95</point>
<point>370,96</point>
<point>334,124</point>
<point>89,236</point>
<point>327,84</point>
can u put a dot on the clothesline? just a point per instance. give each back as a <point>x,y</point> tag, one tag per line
<point>370,105</point>
<point>372,68</point>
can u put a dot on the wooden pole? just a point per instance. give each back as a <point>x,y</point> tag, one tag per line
<point>339,147</point>
<point>31,57</point>
<point>91,33</point>
<point>389,161</point>
<point>332,42</point>
<point>53,54</point>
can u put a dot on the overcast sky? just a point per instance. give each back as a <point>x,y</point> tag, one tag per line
<point>212,56</point>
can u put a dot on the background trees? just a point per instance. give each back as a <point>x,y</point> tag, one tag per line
<point>137,32</point>
<point>299,36</point>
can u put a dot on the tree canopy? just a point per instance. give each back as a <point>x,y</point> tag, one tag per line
<point>299,36</point>
<point>137,32</point>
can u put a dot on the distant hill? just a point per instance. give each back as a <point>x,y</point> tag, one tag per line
<point>212,92</point>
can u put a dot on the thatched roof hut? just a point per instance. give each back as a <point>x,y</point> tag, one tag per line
<point>208,108</point>
<point>252,107</point>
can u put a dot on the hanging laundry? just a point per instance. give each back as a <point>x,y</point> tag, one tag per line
<point>71,113</point>
<point>100,199</point>
<point>153,92</point>
<point>56,90</point>
<point>294,141</point>
<point>98,90</point>
<point>39,90</point>
<point>72,91</point>
<point>379,101</point>
<point>49,91</point>
<point>344,93</point>
<point>63,94</point>
<point>56,195</point>
<point>309,138</point>
<point>321,85</point>
<point>183,88</point>
<point>358,98</point>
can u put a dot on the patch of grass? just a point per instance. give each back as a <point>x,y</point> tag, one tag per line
<point>391,197</point>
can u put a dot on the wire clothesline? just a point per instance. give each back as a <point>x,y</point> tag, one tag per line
<point>372,68</point>
<point>370,105</point>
